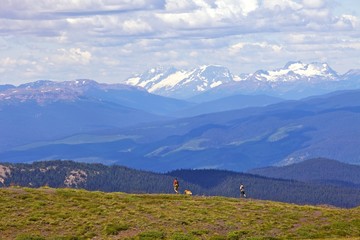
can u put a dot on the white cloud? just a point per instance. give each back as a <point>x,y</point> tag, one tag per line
<point>136,26</point>
<point>29,8</point>
<point>180,5</point>
<point>317,15</point>
<point>347,22</point>
<point>231,8</point>
<point>34,70</point>
<point>281,5</point>
<point>120,37</point>
<point>201,14</point>
<point>71,56</point>
<point>313,3</point>
<point>236,48</point>
<point>7,62</point>
<point>110,61</point>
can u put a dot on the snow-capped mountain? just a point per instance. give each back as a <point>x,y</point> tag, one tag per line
<point>182,83</point>
<point>294,80</point>
<point>296,71</point>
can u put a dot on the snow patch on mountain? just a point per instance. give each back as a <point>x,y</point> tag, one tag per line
<point>170,81</point>
<point>182,83</point>
<point>295,71</point>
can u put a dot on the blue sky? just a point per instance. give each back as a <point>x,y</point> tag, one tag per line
<point>109,40</point>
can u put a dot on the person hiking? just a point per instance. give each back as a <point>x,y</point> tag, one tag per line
<point>242,191</point>
<point>176,185</point>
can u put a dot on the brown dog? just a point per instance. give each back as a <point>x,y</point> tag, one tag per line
<point>187,192</point>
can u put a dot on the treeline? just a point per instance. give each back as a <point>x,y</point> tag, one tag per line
<point>99,177</point>
<point>319,170</point>
<point>226,183</point>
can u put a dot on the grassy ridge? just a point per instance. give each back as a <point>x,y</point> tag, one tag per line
<point>48,213</point>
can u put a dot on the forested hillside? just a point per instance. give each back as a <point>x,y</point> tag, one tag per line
<point>59,174</point>
<point>319,170</point>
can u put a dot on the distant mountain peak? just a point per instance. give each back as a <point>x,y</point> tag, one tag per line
<point>297,71</point>
<point>352,73</point>
<point>81,82</point>
<point>169,81</point>
<point>36,84</point>
<point>46,91</point>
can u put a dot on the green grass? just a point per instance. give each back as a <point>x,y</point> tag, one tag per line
<point>48,213</point>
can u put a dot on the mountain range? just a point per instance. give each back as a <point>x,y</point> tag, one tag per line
<point>87,121</point>
<point>277,134</point>
<point>294,81</point>
<point>47,110</point>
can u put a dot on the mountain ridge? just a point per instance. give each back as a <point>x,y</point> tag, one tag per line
<point>115,178</point>
<point>315,170</point>
<point>294,80</point>
<point>53,110</point>
<point>278,134</point>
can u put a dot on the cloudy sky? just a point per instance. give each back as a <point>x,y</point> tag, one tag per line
<point>109,40</point>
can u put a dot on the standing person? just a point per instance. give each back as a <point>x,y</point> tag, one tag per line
<point>176,185</point>
<point>242,190</point>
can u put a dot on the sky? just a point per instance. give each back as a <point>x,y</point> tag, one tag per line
<point>110,40</point>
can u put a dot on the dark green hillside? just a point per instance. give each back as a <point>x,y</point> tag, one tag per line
<point>88,176</point>
<point>315,170</point>
<point>48,213</point>
<point>226,183</point>
<point>59,174</point>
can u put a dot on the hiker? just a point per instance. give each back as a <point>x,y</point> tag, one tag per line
<point>242,191</point>
<point>176,185</point>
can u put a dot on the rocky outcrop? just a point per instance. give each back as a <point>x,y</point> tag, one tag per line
<point>5,172</point>
<point>75,178</point>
